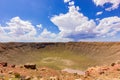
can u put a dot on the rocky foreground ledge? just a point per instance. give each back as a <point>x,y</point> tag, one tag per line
<point>32,72</point>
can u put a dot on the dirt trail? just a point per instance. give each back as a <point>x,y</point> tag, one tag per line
<point>74,71</point>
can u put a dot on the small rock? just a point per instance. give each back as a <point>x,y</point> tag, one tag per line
<point>53,78</point>
<point>10,72</point>
<point>12,76</point>
<point>113,64</point>
<point>78,79</point>
<point>13,66</point>
<point>118,62</point>
<point>35,78</point>
<point>27,78</point>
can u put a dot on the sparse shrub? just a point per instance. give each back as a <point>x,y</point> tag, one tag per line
<point>17,75</point>
<point>75,74</point>
<point>118,69</point>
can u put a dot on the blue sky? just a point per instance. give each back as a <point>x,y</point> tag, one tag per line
<point>59,20</point>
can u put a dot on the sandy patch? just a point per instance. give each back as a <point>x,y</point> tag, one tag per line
<point>58,59</point>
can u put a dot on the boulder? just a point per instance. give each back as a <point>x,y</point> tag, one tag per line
<point>27,78</point>
<point>4,64</point>
<point>30,66</point>
<point>10,72</point>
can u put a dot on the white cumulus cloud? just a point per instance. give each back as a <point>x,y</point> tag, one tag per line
<point>108,26</point>
<point>99,13</point>
<point>73,26</point>
<point>71,3</point>
<point>115,4</point>
<point>21,30</point>
<point>65,1</point>
<point>39,26</point>
<point>17,29</point>
<point>76,26</point>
